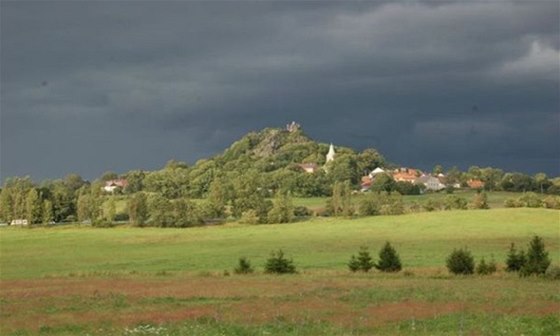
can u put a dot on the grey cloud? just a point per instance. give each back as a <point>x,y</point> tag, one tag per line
<point>184,79</point>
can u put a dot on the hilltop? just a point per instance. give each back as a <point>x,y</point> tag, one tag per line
<point>277,156</point>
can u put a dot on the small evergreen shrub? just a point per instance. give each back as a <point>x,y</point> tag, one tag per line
<point>484,268</point>
<point>353,264</point>
<point>244,266</point>
<point>460,262</point>
<point>515,260</point>
<point>278,264</point>
<point>389,260</point>
<point>363,262</point>
<point>537,258</point>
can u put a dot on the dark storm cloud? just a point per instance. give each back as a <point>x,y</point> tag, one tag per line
<point>95,86</point>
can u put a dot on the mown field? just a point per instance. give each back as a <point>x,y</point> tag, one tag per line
<point>496,199</point>
<point>147,281</point>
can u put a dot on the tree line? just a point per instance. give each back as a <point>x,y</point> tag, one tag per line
<point>239,183</point>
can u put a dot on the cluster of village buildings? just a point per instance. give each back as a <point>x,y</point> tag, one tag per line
<point>416,176</point>
<point>409,175</point>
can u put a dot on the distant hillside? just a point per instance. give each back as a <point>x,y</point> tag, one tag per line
<point>274,148</point>
<point>274,156</point>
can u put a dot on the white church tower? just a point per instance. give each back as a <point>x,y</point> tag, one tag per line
<point>331,153</point>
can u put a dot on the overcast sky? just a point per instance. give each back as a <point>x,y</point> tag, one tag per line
<point>89,87</point>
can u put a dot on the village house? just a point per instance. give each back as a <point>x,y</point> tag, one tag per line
<point>376,171</point>
<point>366,183</point>
<point>475,184</point>
<point>406,175</point>
<point>111,185</point>
<point>309,168</point>
<point>430,182</point>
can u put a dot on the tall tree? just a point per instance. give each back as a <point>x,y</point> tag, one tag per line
<point>47,212</point>
<point>138,209</point>
<point>89,206</point>
<point>74,182</point>
<point>64,203</point>
<point>135,179</point>
<point>111,210</point>
<point>368,160</point>
<point>186,213</point>
<point>383,182</point>
<point>542,182</point>
<point>109,175</point>
<point>161,211</point>
<point>15,193</point>
<point>6,205</point>
<point>218,196</point>
<point>282,209</point>
<point>340,204</point>
<point>33,207</point>
<point>438,169</point>
<point>249,195</point>
<point>344,168</point>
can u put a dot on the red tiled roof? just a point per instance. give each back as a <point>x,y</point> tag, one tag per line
<point>475,184</point>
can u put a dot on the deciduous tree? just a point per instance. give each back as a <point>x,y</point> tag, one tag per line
<point>33,207</point>
<point>138,209</point>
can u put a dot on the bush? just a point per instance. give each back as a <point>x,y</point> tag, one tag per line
<point>553,273</point>
<point>530,200</point>
<point>301,211</point>
<point>454,202</point>
<point>414,207</point>
<point>368,206</point>
<point>244,266</point>
<point>406,188</point>
<point>121,217</point>
<point>389,260</point>
<point>515,260</point>
<point>551,202</point>
<point>512,203</point>
<point>392,205</point>
<point>537,258</point>
<point>480,201</point>
<point>483,268</point>
<point>278,264</point>
<point>283,209</point>
<point>363,262</point>
<point>460,262</point>
<point>249,217</point>
<point>432,205</point>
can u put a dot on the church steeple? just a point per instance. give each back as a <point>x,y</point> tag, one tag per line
<point>331,153</point>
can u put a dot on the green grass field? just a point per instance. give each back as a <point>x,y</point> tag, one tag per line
<point>147,281</point>
<point>496,199</point>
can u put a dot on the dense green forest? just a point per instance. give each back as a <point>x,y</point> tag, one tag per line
<point>253,181</point>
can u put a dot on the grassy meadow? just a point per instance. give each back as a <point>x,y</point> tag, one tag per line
<point>496,199</point>
<point>149,281</point>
